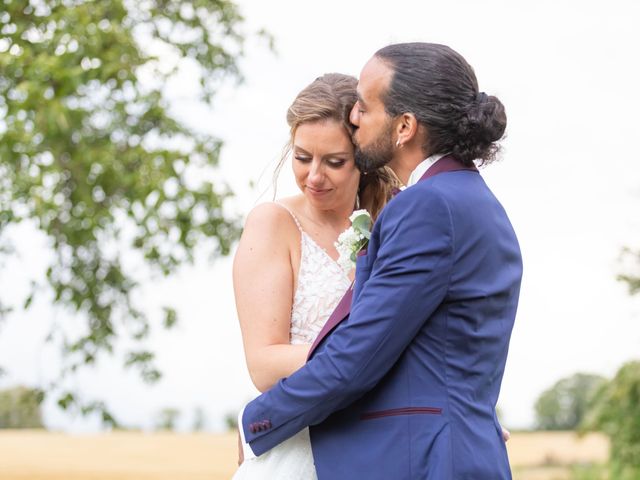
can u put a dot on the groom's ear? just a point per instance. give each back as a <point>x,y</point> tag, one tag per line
<point>406,128</point>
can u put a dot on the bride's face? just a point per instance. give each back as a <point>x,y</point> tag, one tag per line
<point>324,166</point>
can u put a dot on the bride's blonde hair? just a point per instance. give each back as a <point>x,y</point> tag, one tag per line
<point>331,97</point>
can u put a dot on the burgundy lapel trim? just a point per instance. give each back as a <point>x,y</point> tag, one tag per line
<point>447,163</point>
<point>339,314</point>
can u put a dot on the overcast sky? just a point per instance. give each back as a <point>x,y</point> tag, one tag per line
<point>568,74</point>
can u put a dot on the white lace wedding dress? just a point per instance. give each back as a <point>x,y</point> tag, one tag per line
<point>321,285</point>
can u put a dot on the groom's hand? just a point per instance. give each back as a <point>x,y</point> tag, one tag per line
<point>506,434</point>
<point>240,450</point>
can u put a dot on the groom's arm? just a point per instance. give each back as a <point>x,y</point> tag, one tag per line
<point>409,280</point>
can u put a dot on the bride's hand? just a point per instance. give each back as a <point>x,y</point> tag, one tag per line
<point>241,451</point>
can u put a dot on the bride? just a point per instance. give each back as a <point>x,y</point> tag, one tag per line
<point>286,277</point>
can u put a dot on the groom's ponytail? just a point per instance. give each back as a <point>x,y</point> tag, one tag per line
<point>481,125</point>
<point>439,87</point>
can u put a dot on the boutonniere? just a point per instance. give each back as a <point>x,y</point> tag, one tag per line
<point>353,239</point>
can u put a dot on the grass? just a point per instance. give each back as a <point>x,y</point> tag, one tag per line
<point>41,455</point>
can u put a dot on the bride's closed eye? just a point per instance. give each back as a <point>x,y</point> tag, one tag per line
<point>332,162</point>
<point>336,162</point>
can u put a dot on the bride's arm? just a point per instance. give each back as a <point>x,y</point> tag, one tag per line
<point>263,286</point>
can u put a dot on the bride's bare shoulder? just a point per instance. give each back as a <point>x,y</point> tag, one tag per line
<point>271,218</point>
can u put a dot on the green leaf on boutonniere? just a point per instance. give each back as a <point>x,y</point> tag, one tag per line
<point>362,224</point>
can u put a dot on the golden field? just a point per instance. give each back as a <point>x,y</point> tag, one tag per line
<point>40,455</point>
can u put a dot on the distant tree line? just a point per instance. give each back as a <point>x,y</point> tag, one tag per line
<point>565,404</point>
<point>587,402</point>
<point>20,408</point>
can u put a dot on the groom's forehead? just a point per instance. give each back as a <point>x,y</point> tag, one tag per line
<point>375,79</point>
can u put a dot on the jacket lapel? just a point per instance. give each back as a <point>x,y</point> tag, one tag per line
<point>447,163</point>
<point>340,313</point>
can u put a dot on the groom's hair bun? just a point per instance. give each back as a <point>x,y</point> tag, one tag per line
<point>437,85</point>
<point>482,124</point>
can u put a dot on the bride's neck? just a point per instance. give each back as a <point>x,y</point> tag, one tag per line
<point>335,218</point>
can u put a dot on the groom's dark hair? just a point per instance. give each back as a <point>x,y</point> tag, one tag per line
<point>439,87</point>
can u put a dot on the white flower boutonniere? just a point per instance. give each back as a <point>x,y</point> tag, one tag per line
<point>353,239</point>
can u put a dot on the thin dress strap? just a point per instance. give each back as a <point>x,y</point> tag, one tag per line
<point>292,216</point>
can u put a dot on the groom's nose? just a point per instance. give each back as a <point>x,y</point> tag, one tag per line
<point>354,115</point>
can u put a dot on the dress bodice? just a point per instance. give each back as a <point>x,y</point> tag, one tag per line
<point>321,285</point>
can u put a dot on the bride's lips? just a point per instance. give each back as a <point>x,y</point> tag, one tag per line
<point>318,192</point>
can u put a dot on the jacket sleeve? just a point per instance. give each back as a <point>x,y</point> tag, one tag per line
<point>409,280</point>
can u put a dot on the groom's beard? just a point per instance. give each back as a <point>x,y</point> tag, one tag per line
<point>376,155</point>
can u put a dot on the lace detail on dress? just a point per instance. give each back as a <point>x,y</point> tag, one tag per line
<point>321,285</point>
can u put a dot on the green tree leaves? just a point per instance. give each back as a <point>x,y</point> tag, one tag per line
<point>20,408</point>
<point>91,157</point>
<point>616,412</point>
<point>632,276</point>
<point>565,404</point>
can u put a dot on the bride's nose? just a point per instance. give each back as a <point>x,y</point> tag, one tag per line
<point>316,173</point>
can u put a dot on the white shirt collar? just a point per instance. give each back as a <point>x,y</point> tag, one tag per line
<point>422,168</point>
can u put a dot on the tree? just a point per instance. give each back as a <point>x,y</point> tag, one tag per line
<point>616,412</point>
<point>632,275</point>
<point>199,420</point>
<point>616,406</point>
<point>231,421</point>
<point>167,419</point>
<point>91,157</point>
<point>20,408</point>
<point>564,405</point>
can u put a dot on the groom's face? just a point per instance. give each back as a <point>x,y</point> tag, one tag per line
<point>374,126</point>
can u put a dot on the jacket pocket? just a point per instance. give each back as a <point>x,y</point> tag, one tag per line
<point>393,412</point>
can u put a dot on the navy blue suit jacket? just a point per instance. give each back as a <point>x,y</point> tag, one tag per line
<point>406,386</point>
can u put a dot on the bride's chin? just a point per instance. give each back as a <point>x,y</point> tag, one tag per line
<point>318,198</point>
<point>319,204</point>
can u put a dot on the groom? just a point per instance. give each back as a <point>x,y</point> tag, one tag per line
<point>405,386</point>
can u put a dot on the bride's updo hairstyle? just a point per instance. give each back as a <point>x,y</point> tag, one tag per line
<point>331,97</point>
<point>459,119</point>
